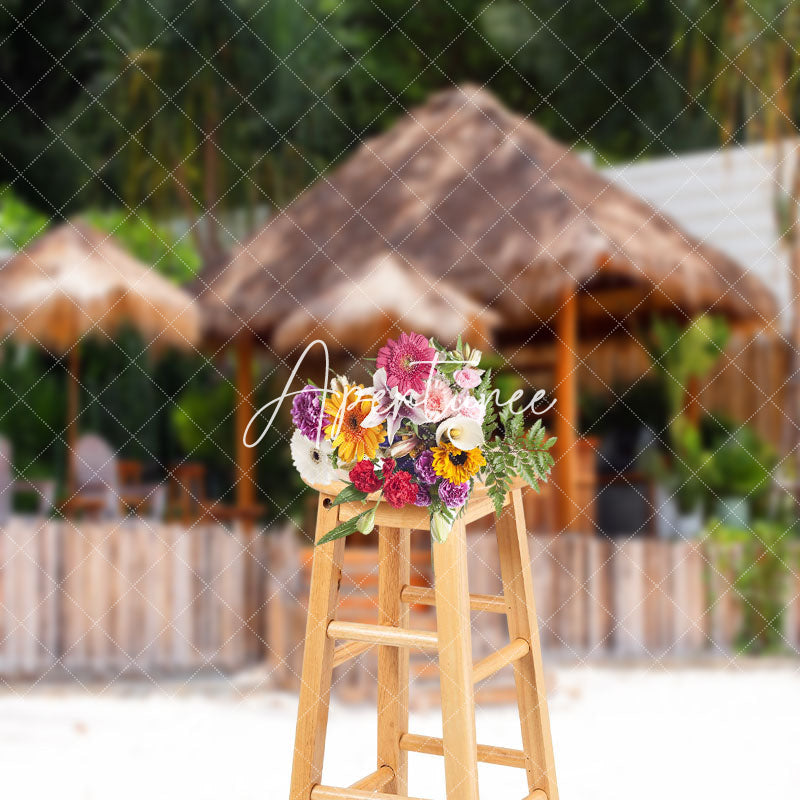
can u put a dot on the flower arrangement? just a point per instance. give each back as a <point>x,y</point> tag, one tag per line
<point>423,434</point>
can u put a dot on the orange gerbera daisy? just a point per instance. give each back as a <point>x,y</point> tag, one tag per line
<point>347,410</point>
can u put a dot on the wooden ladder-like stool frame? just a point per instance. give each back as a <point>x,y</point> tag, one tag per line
<point>452,641</point>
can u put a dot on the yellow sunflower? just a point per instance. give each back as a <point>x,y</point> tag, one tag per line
<point>346,410</point>
<point>456,466</point>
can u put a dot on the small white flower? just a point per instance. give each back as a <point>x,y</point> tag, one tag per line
<point>460,431</point>
<point>474,358</point>
<point>312,462</point>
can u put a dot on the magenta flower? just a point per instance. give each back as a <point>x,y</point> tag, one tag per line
<point>423,466</point>
<point>408,362</point>
<point>307,411</point>
<point>453,495</point>
<point>423,497</point>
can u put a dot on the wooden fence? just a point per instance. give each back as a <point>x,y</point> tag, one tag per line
<point>107,599</point>
<point>110,598</point>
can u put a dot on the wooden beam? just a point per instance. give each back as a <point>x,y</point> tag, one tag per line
<point>375,781</point>
<point>382,634</point>
<point>344,652</point>
<point>245,456</point>
<point>73,409</point>
<point>487,753</point>
<point>566,414</point>
<point>494,662</point>
<point>320,792</point>
<point>394,557</point>
<point>419,595</point>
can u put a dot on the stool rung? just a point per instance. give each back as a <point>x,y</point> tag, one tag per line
<point>537,794</point>
<point>487,753</point>
<point>497,660</point>
<point>382,634</point>
<point>477,602</point>
<point>345,652</point>
<point>320,792</point>
<point>375,781</point>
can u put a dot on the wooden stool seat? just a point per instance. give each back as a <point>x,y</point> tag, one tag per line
<point>330,642</point>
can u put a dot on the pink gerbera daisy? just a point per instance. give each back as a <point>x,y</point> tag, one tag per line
<point>408,362</point>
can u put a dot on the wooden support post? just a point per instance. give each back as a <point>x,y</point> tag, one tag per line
<point>566,410</point>
<point>245,456</point>
<point>512,542</point>
<point>73,409</point>
<point>455,665</point>
<point>394,557</point>
<point>315,683</point>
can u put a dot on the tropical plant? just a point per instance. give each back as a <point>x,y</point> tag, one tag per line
<point>740,463</point>
<point>19,222</point>
<point>155,244</point>
<point>683,355</point>
<point>759,559</point>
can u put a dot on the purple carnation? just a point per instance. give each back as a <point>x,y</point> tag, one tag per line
<point>423,496</point>
<point>423,466</point>
<point>454,495</point>
<point>307,410</point>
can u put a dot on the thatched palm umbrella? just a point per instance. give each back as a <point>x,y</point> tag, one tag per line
<point>369,304</point>
<point>472,193</point>
<point>75,281</point>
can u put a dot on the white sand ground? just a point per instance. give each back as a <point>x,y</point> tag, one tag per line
<point>638,734</point>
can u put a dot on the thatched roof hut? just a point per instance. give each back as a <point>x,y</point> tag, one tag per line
<point>75,280</point>
<point>464,190</point>
<point>472,199</point>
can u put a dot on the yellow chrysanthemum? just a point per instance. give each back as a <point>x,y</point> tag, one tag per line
<point>347,410</point>
<point>456,466</point>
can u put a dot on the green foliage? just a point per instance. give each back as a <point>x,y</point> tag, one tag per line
<point>156,245</point>
<point>740,463</point>
<point>514,452</point>
<point>271,95</point>
<point>203,420</point>
<point>345,528</point>
<point>19,222</point>
<point>680,470</point>
<point>759,561</point>
<point>682,353</point>
<point>349,495</point>
<point>32,410</point>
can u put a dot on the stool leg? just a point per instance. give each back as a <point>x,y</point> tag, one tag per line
<point>394,572</point>
<point>455,665</point>
<point>515,568</point>
<point>315,685</point>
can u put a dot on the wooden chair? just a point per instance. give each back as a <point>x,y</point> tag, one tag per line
<point>99,490</point>
<point>451,641</point>
<point>9,486</point>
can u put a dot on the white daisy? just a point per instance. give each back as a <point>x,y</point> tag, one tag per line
<point>312,462</point>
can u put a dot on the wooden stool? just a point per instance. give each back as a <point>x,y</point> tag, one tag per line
<point>452,642</point>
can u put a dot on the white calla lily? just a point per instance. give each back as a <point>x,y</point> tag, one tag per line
<point>463,432</point>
